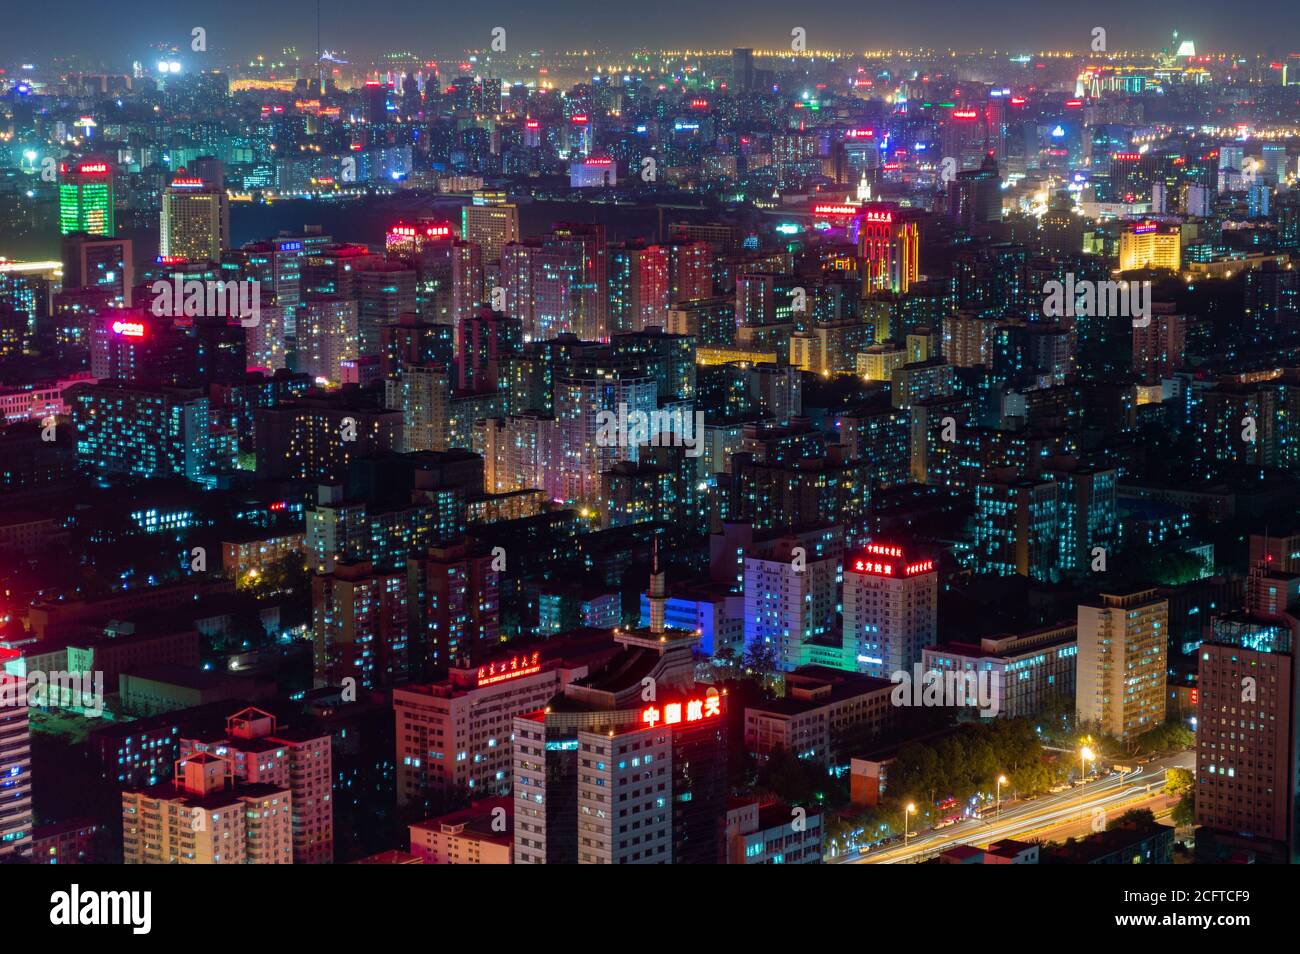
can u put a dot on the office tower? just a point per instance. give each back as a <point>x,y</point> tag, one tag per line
<point>314,438</point>
<point>1246,736</point>
<point>1132,175</point>
<point>261,752</point>
<point>204,817</point>
<point>15,766</point>
<point>102,264</point>
<point>603,776</point>
<point>195,220</point>
<point>975,196</point>
<point>455,600</point>
<point>360,627</point>
<point>483,341</point>
<point>790,601</point>
<point>385,292</point>
<point>1149,245</point>
<point>327,335</point>
<point>890,608</point>
<point>638,287</point>
<point>491,223</point>
<point>1122,653</point>
<point>1016,527</point>
<point>455,734</point>
<point>124,428</point>
<point>890,249</point>
<point>742,70</point>
<point>1259,201</point>
<point>86,201</point>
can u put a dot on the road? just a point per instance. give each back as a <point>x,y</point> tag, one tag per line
<point>1063,814</point>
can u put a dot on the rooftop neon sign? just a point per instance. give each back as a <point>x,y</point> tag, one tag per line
<point>516,668</point>
<point>835,210</point>
<point>128,329</point>
<point>692,710</point>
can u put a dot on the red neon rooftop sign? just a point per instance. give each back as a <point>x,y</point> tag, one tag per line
<point>516,668</point>
<point>128,329</point>
<point>692,710</point>
<point>92,168</point>
<point>835,210</point>
<point>888,561</point>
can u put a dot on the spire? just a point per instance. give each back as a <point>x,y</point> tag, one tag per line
<point>655,594</point>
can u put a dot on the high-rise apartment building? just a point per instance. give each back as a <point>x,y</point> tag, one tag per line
<point>1122,658</point>
<point>262,752</point>
<point>790,601</point>
<point>204,817</point>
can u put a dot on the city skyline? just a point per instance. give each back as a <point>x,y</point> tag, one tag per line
<point>475,447</point>
<point>1010,25</point>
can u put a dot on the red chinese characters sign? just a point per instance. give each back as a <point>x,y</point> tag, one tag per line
<point>525,665</point>
<point>692,710</point>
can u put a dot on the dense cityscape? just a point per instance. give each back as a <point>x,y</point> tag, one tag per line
<point>518,455</point>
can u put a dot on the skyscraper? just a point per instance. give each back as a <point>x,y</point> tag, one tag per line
<point>195,220</point>
<point>491,223</point>
<point>86,198</point>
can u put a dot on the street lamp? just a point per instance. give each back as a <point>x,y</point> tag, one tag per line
<point>1085,756</point>
<point>1002,780</point>
<point>910,810</point>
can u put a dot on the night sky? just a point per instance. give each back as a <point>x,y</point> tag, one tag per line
<point>113,32</point>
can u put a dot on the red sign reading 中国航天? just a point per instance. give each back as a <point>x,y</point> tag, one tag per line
<point>674,713</point>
